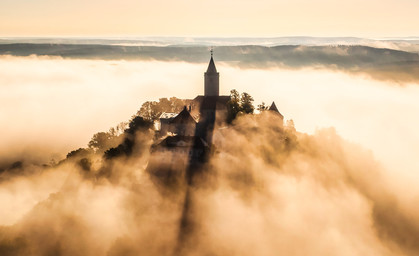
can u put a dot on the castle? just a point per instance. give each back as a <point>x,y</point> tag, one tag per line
<point>186,137</point>
<point>202,113</point>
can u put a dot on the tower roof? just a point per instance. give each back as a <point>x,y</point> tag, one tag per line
<point>275,109</point>
<point>211,66</point>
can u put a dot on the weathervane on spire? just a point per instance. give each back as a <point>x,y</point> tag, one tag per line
<point>212,51</point>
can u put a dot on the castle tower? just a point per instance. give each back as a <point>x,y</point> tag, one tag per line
<point>212,80</point>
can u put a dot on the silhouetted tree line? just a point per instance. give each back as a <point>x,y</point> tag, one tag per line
<point>118,141</point>
<point>122,140</point>
<point>103,141</point>
<point>137,123</point>
<point>81,152</point>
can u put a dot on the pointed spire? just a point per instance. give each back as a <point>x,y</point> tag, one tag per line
<point>211,66</point>
<point>273,107</point>
<point>211,79</point>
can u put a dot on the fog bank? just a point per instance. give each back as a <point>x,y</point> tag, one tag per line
<point>344,183</point>
<point>52,105</point>
<point>267,189</point>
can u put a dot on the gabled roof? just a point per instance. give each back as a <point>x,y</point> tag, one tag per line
<point>275,109</point>
<point>183,117</point>
<point>211,66</point>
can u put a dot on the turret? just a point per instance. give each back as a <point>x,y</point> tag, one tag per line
<point>275,110</point>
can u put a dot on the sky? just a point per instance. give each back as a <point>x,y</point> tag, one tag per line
<point>372,18</point>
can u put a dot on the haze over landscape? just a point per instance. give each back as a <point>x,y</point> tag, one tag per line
<point>342,180</point>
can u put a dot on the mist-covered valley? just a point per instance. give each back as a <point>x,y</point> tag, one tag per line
<point>341,182</point>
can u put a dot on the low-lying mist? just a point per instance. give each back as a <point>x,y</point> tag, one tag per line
<point>345,190</point>
<point>266,190</point>
<point>51,106</point>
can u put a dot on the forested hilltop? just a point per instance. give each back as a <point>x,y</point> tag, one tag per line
<point>120,140</point>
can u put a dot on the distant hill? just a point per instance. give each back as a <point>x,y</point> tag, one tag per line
<point>379,63</point>
<point>402,43</point>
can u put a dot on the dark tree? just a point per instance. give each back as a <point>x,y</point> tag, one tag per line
<point>81,152</point>
<point>151,110</point>
<point>176,105</point>
<point>262,107</point>
<point>99,140</point>
<point>125,148</point>
<point>246,103</point>
<point>85,164</point>
<point>119,129</point>
<point>138,123</point>
<point>102,141</point>
<point>233,105</point>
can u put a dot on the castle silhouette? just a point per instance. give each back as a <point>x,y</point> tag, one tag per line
<point>185,138</point>
<point>179,155</point>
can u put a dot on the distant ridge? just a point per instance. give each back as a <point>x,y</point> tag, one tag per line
<point>213,41</point>
<point>379,63</point>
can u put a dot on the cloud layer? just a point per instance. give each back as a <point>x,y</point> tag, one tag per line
<point>48,104</point>
<point>267,190</point>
